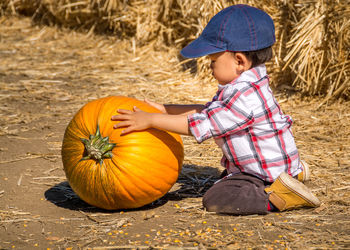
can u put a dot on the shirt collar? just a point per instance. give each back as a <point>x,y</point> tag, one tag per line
<point>251,75</point>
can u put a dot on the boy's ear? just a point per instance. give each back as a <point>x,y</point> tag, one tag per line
<point>243,61</point>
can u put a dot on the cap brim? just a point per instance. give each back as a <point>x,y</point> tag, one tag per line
<point>199,47</point>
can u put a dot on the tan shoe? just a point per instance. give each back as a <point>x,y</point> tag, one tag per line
<point>287,193</point>
<point>305,175</point>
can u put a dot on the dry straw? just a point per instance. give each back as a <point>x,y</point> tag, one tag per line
<point>319,48</point>
<point>313,37</point>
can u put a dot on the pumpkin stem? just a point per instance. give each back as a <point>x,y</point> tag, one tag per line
<point>97,147</point>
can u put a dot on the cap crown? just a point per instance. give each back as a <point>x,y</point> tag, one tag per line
<point>236,28</point>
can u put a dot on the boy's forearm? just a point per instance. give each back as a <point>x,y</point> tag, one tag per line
<point>178,109</point>
<point>172,123</point>
<point>137,120</point>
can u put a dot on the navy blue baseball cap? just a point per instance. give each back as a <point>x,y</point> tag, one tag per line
<point>235,28</point>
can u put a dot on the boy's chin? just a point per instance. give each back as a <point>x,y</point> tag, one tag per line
<point>223,82</point>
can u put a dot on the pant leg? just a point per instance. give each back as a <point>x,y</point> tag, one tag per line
<point>240,194</point>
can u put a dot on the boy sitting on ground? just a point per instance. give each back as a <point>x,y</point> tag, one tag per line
<point>263,167</point>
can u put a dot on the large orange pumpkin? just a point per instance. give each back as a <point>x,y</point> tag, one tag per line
<point>111,171</point>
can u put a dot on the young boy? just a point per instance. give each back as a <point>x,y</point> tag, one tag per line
<point>260,155</point>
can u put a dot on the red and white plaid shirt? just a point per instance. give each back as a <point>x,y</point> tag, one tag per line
<point>247,123</point>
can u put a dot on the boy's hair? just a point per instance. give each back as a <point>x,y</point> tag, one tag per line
<point>260,56</point>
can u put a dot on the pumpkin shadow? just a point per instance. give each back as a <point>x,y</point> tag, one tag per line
<point>62,195</point>
<point>193,180</point>
<point>192,183</point>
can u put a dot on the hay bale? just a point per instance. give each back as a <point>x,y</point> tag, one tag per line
<point>23,7</point>
<point>318,51</point>
<point>311,52</point>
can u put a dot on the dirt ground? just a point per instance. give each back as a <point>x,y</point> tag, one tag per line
<point>47,74</point>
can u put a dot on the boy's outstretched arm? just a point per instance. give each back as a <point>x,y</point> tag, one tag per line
<point>139,120</point>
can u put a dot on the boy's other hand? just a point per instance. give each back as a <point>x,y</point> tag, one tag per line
<point>156,105</point>
<point>135,120</point>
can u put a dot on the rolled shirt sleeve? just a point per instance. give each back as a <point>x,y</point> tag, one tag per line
<point>228,113</point>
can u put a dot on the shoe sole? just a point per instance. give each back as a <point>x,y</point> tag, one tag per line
<point>299,188</point>
<point>306,171</point>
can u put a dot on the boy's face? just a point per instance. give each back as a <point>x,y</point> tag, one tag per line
<point>227,66</point>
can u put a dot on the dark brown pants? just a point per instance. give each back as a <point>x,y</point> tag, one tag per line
<point>239,194</point>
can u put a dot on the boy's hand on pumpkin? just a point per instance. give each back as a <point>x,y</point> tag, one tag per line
<point>135,120</point>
